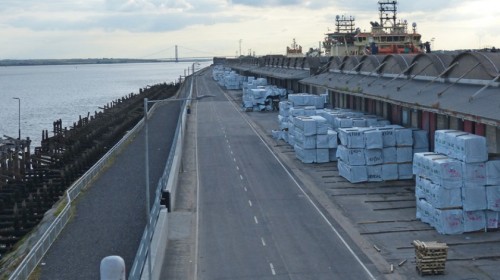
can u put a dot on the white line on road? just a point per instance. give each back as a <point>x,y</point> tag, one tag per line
<point>332,227</point>
<point>245,188</point>
<point>272,268</point>
<point>234,159</point>
<point>250,203</point>
<point>237,167</point>
<point>255,219</point>
<point>241,177</point>
<point>263,241</point>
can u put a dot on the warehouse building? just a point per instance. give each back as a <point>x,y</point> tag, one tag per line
<point>430,91</point>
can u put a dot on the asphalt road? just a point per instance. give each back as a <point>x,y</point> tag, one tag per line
<point>110,216</point>
<point>255,220</point>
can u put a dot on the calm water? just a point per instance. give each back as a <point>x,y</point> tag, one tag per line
<point>49,93</point>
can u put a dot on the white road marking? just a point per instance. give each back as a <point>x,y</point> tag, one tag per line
<point>332,227</point>
<point>272,268</point>
<point>263,241</point>
<point>241,177</point>
<point>250,203</point>
<point>234,159</point>
<point>237,167</point>
<point>245,188</point>
<point>255,219</point>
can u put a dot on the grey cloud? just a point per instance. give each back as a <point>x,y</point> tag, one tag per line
<point>262,3</point>
<point>144,22</point>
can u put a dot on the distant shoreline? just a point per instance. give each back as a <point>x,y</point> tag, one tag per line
<point>75,61</point>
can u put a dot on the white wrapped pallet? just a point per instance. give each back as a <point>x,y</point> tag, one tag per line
<point>405,171</point>
<point>493,198</point>
<point>261,81</point>
<point>351,156</point>
<point>342,122</point>
<point>322,155</point>
<point>371,120</point>
<point>474,220</point>
<point>449,221</point>
<point>296,111</point>
<point>422,163</point>
<point>309,142</point>
<point>390,171</point>
<point>374,173</point>
<point>332,139</point>
<point>404,136</point>
<point>404,154</point>
<point>309,111</point>
<point>493,172</point>
<point>425,212</point>
<point>352,137</point>
<point>321,124</point>
<point>322,141</point>
<point>474,173</point>
<point>373,139</point>
<point>389,154</point>
<point>306,124</point>
<point>291,139</point>
<point>304,99</point>
<point>441,140</point>
<point>305,155</point>
<point>388,137</point>
<point>471,148</point>
<point>438,196</point>
<point>492,219</point>
<point>474,198</point>
<point>354,174</point>
<point>284,108</point>
<point>446,172</point>
<point>358,122</point>
<point>374,157</point>
<point>461,145</point>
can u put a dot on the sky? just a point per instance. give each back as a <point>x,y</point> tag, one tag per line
<point>52,29</point>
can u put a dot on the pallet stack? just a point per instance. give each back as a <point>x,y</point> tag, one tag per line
<point>430,257</point>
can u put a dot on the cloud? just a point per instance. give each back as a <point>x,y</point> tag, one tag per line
<point>267,3</point>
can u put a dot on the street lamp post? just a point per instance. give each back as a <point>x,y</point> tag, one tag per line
<point>194,64</point>
<point>19,115</point>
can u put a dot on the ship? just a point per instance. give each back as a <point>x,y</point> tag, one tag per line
<point>387,36</point>
<point>294,50</point>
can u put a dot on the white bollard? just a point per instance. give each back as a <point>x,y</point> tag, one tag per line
<point>113,268</point>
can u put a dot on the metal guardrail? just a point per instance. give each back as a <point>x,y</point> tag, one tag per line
<point>41,247</point>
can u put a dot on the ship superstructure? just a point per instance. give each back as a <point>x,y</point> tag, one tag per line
<point>388,35</point>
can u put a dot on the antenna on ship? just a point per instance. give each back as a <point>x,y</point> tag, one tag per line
<point>387,21</point>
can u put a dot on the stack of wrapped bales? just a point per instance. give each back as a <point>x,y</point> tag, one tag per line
<point>314,141</point>
<point>373,154</point>
<point>219,71</point>
<point>453,191</point>
<point>260,98</point>
<point>227,78</point>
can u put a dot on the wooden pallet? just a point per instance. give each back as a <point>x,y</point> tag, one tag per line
<point>430,257</point>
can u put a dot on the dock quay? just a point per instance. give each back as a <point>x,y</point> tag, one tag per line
<point>239,185</point>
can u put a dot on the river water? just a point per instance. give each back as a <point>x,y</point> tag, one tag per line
<point>52,92</point>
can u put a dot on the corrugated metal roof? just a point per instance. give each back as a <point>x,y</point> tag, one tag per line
<point>282,73</point>
<point>454,101</point>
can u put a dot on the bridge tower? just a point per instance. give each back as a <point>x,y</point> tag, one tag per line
<point>176,54</point>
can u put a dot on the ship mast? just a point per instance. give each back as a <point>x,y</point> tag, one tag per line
<point>387,20</point>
